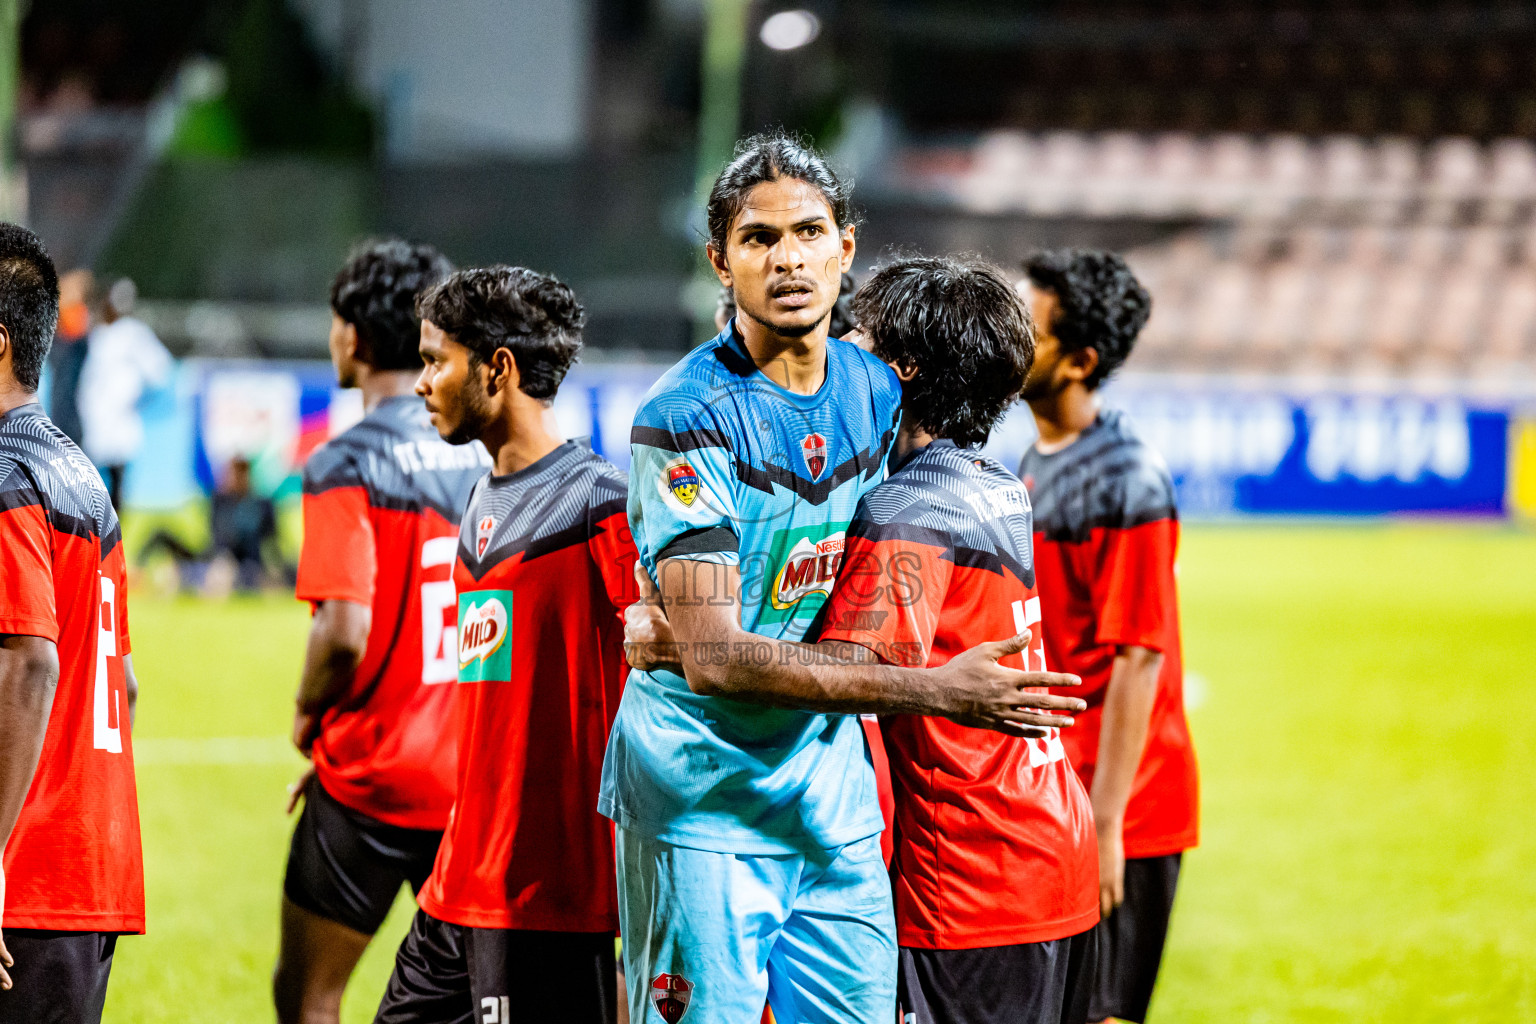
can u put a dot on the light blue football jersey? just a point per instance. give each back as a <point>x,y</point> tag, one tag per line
<point>729,468</point>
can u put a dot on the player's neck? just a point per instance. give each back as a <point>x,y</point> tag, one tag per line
<point>13,397</point>
<point>377,385</point>
<point>1061,418</point>
<point>527,433</point>
<point>794,364</point>
<point>909,438</point>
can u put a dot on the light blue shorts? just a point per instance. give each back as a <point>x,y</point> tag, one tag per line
<point>712,936</point>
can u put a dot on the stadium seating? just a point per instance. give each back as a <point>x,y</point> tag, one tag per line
<point>1291,254</point>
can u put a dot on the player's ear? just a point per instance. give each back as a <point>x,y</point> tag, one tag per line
<point>717,262</point>
<point>1080,365</point>
<point>848,248</point>
<point>355,346</point>
<point>504,375</point>
<point>905,369</point>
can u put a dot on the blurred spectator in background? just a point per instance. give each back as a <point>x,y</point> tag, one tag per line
<point>842,313</point>
<point>67,356</point>
<point>242,546</point>
<point>124,360</point>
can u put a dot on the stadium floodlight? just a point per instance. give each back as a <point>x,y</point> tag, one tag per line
<point>790,30</point>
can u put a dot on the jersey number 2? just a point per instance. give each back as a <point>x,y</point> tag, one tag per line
<point>439,642</point>
<point>1026,615</point>
<point>106,717</point>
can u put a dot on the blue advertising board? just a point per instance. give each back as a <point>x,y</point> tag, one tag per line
<point>1235,448</point>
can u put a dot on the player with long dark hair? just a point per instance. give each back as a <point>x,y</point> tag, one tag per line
<point>748,822</point>
<point>994,870</point>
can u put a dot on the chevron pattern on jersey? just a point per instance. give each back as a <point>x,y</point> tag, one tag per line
<point>40,465</point>
<point>955,498</point>
<point>1109,478</point>
<point>396,455</point>
<point>546,507</point>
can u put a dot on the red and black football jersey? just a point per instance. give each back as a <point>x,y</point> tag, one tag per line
<point>994,835</point>
<point>1106,537</point>
<point>74,862</point>
<point>381,519</point>
<point>545,570</point>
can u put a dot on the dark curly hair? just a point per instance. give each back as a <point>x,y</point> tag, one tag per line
<point>959,322</point>
<point>770,157</point>
<point>531,314</point>
<point>376,293</point>
<point>29,302</point>
<point>1101,304</point>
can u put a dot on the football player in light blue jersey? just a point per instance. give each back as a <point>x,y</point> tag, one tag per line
<point>748,827</point>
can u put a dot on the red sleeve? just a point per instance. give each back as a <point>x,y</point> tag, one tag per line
<point>888,596</point>
<point>114,566</point>
<point>338,561</point>
<point>613,550</point>
<point>1134,594</point>
<point>26,574</point>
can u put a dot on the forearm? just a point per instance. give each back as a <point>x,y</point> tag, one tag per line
<point>1127,711</point>
<point>337,639</point>
<point>29,674</point>
<point>832,677</point>
<point>328,671</point>
<point>721,659</point>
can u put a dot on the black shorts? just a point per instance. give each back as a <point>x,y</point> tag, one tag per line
<point>348,867</point>
<point>1030,983</point>
<point>59,977</point>
<point>449,974</point>
<point>1131,940</point>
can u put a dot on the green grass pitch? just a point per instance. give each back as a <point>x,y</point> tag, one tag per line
<point>1363,712</point>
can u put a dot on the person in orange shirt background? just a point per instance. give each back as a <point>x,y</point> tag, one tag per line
<point>67,357</point>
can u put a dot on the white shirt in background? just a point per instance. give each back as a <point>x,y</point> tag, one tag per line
<point>123,360</point>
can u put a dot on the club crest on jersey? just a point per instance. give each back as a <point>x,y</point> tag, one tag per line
<point>483,531</point>
<point>683,482</point>
<point>670,994</point>
<point>814,448</point>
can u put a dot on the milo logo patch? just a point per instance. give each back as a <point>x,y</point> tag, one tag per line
<point>485,627</point>
<point>810,568</point>
<point>801,567</point>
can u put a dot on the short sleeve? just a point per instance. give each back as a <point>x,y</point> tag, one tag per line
<point>890,591</point>
<point>27,603</point>
<point>1134,595</point>
<point>339,560</point>
<point>682,500</point>
<point>1133,591</point>
<point>610,541</point>
<point>114,568</point>
<point>123,645</point>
